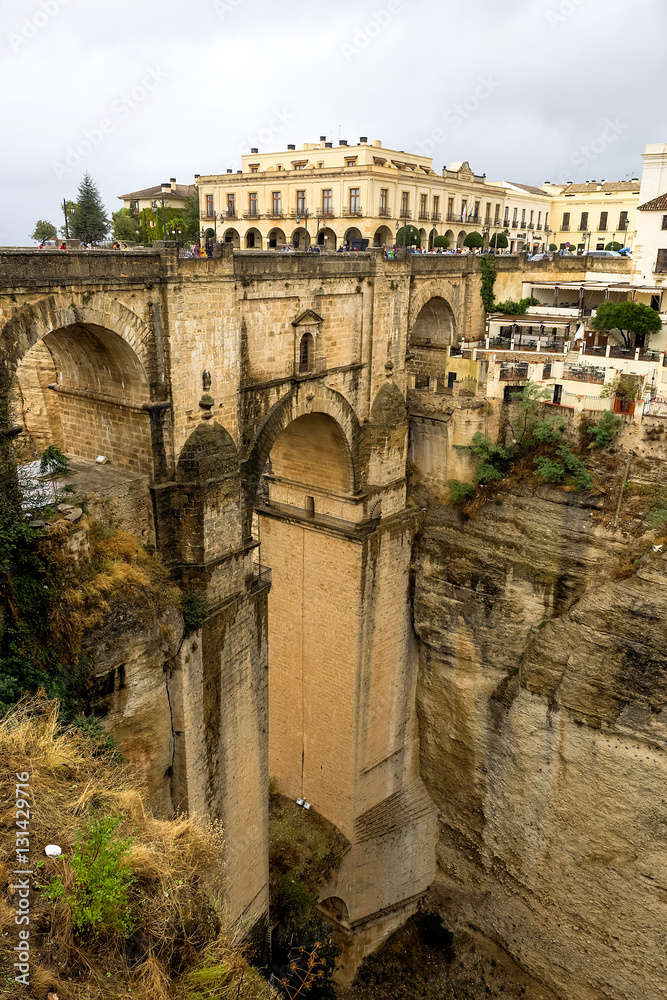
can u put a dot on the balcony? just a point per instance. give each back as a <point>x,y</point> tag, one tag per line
<point>229,214</point>
<point>384,213</point>
<point>424,215</point>
<point>275,215</point>
<point>511,373</point>
<point>405,214</point>
<point>351,212</point>
<point>206,217</point>
<point>326,213</point>
<point>435,216</point>
<point>252,215</point>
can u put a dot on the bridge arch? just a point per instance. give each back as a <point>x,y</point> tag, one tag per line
<point>434,324</point>
<point>431,289</point>
<point>83,376</point>
<point>303,401</point>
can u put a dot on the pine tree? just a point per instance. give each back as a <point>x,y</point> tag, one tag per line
<point>90,222</point>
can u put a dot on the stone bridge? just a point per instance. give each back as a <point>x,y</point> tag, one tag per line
<point>256,403</point>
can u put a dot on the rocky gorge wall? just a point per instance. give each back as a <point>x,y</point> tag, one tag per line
<point>541,700</point>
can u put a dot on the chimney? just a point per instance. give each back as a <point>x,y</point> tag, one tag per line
<point>328,145</point>
<point>343,142</point>
<point>197,176</point>
<point>229,170</point>
<point>363,139</point>
<point>323,138</point>
<point>239,171</point>
<point>254,149</point>
<point>172,183</point>
<point>290,145</point>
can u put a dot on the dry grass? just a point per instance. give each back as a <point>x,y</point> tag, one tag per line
<point>176,897</point>
<point>120,571</point>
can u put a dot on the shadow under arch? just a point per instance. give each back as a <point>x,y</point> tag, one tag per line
<point>296,404</point>
<point>434,325</point>
<point>33,322</point>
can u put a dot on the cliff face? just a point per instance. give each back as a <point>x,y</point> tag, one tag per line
<point>541,700</point>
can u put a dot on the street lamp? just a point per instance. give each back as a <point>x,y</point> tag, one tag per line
<point>305,214</point>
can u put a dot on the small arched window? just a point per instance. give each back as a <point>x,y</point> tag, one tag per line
<point>306,353</point>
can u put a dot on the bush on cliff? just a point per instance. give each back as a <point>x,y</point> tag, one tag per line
<point>605,430</point>
<point>160,933</point>
<point>460,491</point>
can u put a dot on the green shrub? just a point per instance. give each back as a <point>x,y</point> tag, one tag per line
<point>488,270</point>
<point>99,899</point>
<point>441,241</point>
<point>474,240</point>
<point>548,470</point>
<point>553,247</point>
<point>408,236</point>
<point>493,460</point>
<point>194,612</point>
<point>575,467</point>
<point>549,431</point>
<point>614,245</point>
<point>604,431</point>
<point>498,241</point>
<point>460,491</point>
<point>512,308</point>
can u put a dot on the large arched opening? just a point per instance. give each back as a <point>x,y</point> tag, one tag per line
<point>326,239</point>
<point>253,239</point>
<point>383,237</point>
<point>300,239</point>
<point>231,236</point>
<point>276,239</point>
<point>434,325</point>
<point>352,235</point>
<point>461,240</point>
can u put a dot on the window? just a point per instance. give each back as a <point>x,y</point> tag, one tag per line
<point>507,214</point>
<point>623,220</point>
<point>253,202</point>
<point>476,214</point>
<point>306,353</point>
<point>383,200</point>
<point>209,206</point>
<point>664,222</point>
<point>350,161</point>
<point>354,200</point>
<point>515,216</point>
<point>301,202</point>
<point>496,216</point>
<point>523,218</point>
<point>487,214</point>
<point>566,221</point>
<point>436,206</point>
<point>450,208</point>
<point>539,218</point>
<point>405,204</point>
<point>254,168</point>
<point>277,202</point>
<point>423,202</point>
<point>546,220</point>
<point>531,217</point>
<point>327,202</point>
<point>136,209</point>
<point>583,222</point>
<point>603,220</point>
<point>299,164</point>
<point>231,205</point>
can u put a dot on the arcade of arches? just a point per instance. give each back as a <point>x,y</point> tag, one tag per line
<point>323,659</point>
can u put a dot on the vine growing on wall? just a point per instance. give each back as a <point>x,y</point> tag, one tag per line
<point>488,281</point>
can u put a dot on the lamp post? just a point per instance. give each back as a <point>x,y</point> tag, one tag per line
<point>166,188</point>
<point>625,233</point>
<point>305,214</point>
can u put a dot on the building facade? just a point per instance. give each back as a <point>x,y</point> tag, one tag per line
<point>650,258</point>
<point>175,196</point>
<point>592,215</point>
<point>351,194</point>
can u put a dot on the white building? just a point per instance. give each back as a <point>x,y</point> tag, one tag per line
<point>650,256</point>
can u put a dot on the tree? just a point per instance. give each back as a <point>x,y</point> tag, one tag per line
<point>474,240</point>
<point>90,222</point>
<point>56,465</point>
<point>441,241</point>
<point>176,228</point>
<point>498,241</point>
<point>408,236</point>
<point>526,404</point>
<point>190,215</point>
<point>553,247</point>
<point>488,270</point>
<point>621,387</point>
<point>125,225</point>
<point>44,230</point>
<point>614,245</point>
<point>628,318</point>
<point>70,209</point>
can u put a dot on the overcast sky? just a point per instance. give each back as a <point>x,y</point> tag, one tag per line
<point>136,91</point>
